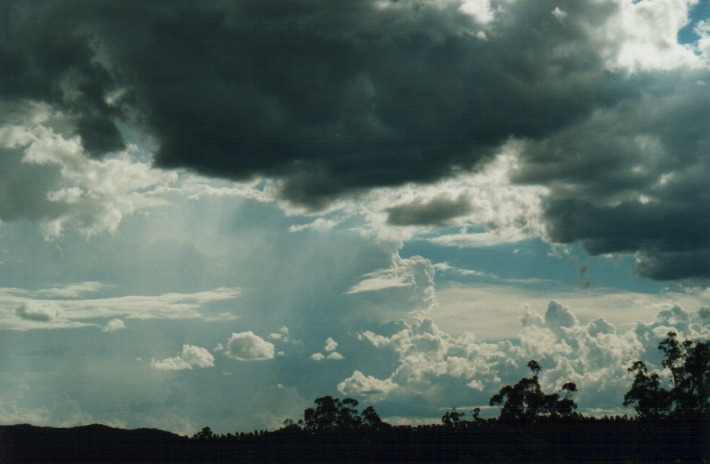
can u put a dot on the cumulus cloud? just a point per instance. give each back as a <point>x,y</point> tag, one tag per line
<point>114,325</point>
<point>246,346</point>
<point>190,356</point>
<point>334,356</point>
<point>463,369</point>
<point>330,346</point>
<point>359,383</point>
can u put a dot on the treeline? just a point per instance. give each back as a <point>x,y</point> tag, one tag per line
<point>671,424</point>
<point>582,439</point>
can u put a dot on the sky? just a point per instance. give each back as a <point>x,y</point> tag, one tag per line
<point>212,213</point>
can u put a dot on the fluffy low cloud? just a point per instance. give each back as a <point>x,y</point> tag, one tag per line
<point>595,355</point>
<point>330,346</point>
<point>359,384</point>
<point>246,346</point>
<point>190,356</point>
<point>114,325</point>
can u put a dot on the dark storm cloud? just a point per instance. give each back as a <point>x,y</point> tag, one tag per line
<point>438,211</point>
<point>331,96</point>
<point>47,57</point>
<point>634,179</point>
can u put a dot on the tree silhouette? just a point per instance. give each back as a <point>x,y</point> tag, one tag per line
<point>371,419</point>
<point>333,414</point>
<point>204,434</point>
<point>526,401</point>
<point>689,365</point>
<point>453,418</point>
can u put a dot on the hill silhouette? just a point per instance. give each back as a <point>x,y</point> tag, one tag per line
<point>91,443</point>
<point>617,439</point>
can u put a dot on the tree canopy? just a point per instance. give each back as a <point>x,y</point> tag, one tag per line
<point>334,414</point>
<point>526,401</point>
<point>689,394</point>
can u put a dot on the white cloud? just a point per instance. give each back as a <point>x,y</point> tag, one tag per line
<point>330,344</point>
<point>643,35</point>
<point>32,306</point>
<point>114,325</point>
<point>175,363</point>
<point>37,311</point>
<point>320,224</point>
<point>559,317</point>
<point>190,356</point>
<point>71,190</point>
<point>559,14</point>
<point>358,384</point>
<point>509,212</point>
<point>196,356</point>
<point>72,291</point>
<point>282,334</point>
<point>493,311</point>
<point>594,355</point>
<point>480,239</point>
<point>446,267</point>
<point>415,273</point>
<point>246,346</point>
<point>703,45</point>
<point>480,10</point>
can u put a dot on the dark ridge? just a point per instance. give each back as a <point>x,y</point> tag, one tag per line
<point>91,443</point>
<point>617,439</point>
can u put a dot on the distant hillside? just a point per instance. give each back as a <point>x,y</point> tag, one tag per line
<point>91,443</point>
<point>578,440</point>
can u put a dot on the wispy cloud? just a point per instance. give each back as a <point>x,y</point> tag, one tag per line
<point>18,306</point>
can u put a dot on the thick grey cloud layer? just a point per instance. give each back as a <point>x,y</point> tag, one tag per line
<point>633,178</point>
<point>335,97</point>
